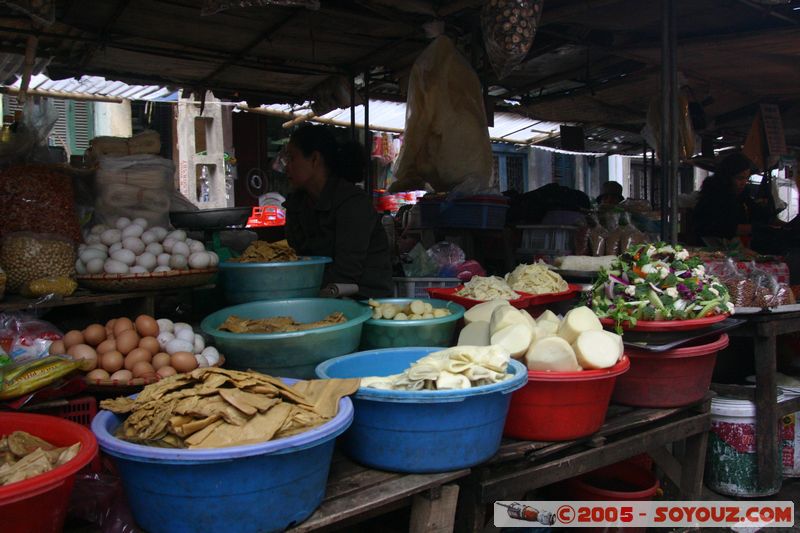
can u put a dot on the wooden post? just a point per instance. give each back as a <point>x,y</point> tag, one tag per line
<point>434,511</point>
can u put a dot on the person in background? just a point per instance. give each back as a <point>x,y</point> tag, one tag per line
<point>328,215</point>
<point>610,194</point>
<point>724,211</point>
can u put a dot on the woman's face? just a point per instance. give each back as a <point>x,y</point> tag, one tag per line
<point>300,168</point>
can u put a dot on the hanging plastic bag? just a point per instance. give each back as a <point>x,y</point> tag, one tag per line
<point>509,27</point>
<point>447,137</point>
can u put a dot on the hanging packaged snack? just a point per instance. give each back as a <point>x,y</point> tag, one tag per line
<point>509,27</point>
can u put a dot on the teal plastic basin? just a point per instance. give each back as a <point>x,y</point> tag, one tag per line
<point>250,282</point>
<point>293,354</point>
<point>404,333</point>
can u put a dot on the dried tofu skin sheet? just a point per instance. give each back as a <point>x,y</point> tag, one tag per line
<point>23,456</point>
<point>266,252</point>
<point>277,324</point>
<point>215,407</point>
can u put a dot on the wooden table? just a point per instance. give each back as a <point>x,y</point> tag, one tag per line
<point>356,493</point>
<point>522,466</point>
<point>763,328</point>
<point>15,302</point>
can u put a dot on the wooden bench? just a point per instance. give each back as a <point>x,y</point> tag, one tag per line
<point>522,466</point>
<point>356,493</point>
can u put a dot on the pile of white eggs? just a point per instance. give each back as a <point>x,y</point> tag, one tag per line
<point>132,248</point>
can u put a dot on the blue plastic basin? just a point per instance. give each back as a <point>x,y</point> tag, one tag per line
<point>241,489</point>
<point>293,354</point>
<point>424,431</point>
<point>380,333</point>
<point>249,282</point>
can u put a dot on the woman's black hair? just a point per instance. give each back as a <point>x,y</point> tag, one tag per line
<point>344,160</point>
<point>729,166</point>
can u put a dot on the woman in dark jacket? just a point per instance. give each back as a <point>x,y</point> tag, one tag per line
<point>328,215</point>
<point>723,205</point>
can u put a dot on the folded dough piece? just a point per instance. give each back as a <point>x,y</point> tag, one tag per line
<point>450,381</point>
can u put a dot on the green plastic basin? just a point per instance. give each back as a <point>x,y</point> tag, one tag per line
<point>294,354</point>
<point>404,333</point>
<point>250,282</point>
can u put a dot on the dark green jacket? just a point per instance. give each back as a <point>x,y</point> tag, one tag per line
<point>344,226</point>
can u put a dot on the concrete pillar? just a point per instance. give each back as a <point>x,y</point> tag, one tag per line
<point>113,120</point>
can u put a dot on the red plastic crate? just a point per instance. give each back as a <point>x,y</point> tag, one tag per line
<point>81,411</point>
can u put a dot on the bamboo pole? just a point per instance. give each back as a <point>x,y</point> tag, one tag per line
<point>65,96</point>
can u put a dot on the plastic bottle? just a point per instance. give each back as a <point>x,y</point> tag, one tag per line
<point>205,189</point>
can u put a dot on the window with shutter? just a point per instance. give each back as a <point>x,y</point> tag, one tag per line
<point>74,127</point>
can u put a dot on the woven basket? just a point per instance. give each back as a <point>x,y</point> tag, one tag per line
<point>174,279</point>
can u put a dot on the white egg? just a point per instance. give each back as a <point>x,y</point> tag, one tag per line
<point>134,230</point>
<point>196,246</point>
<point>160,232</point>
<point>123,222</point>
<point>134,244</point>
<point>147,260</point>
<point>178,262</point>
<point>95,266</point>
<point>162,268</point>
<point>114,247</point>
<point>214,259</point>
<point>138,270</point>
<point>178,235</point>
<point>177,345</point>
<point>140,222</point>
<point>163,259</point>
<point>202,362</point>
<point>148,237</point>
<point>100,246</point>
<point>165,325</point>
<point>112,266</point>
<point>199,343</point>
<point>185,335</point>
<point>80,268</point>
<point>124,256</point>
<point>199,260</point>
<point>154,248</point>
<point>211,354</point>
<point>98,229</point>
<point>92,253</point>
<point>93,239</point>
<point>180,248</point>
<point>181,326</point>
<point>111,236</point>
<point>163,338</point>
<point>168,244</point>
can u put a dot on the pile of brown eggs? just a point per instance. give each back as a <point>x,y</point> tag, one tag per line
<point>123,350</point>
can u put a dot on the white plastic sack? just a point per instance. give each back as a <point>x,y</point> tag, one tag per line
<point>133,186</point>
<point>447,136</point>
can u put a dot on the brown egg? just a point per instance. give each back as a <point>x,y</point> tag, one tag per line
<point>127,341</point>
<point>108,345</point>
<point>121,325</point>
<point>122,376</point>
<point>94,334</point>
<point>72,338</point>
<point>110,326</point>
<point>160,360</point>
<point>98,374</point>
<point>146,326</point>
<point>143,369</point>
<point>166,371</point>
<point>85,354</point>
<point>57,348</point>
<point>183,362</point>
<point>137,355</point>
<point>150,344</point>
<point>112,361</point>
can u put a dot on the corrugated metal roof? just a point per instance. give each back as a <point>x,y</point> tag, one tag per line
<point>99,86</point>
<point>386,115</point>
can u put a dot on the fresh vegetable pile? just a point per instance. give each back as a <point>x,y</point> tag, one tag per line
<point>657,282</point>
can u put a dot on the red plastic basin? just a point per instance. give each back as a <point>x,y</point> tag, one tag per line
<point>40,503</point>
<point>668,379</point>
<point>556,406</point>
<point>622,481</point>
